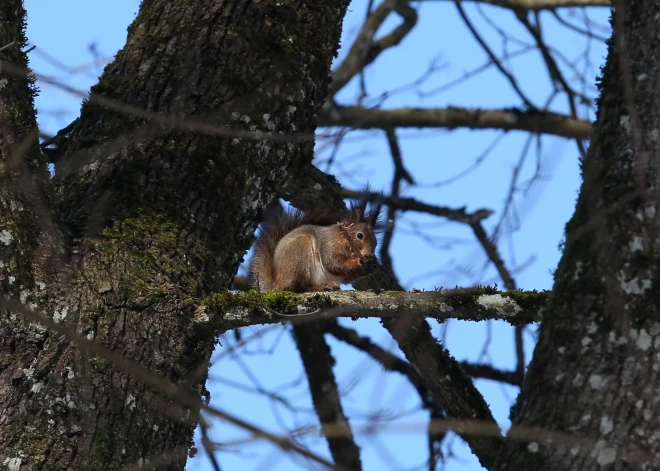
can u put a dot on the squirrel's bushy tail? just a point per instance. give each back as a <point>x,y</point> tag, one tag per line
<point>276,225</point>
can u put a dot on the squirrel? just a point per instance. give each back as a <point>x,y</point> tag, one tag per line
<point>317,250</point>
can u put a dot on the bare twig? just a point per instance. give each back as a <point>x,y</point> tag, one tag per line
<point>365,50</point>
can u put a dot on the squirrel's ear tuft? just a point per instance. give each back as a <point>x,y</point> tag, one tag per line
<point>374,215</point>
<point>368,208</point>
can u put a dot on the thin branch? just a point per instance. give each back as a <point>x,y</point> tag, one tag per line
<point>411,204</point>
<point>586,32</point>
<point>391,362</point>
<point>508,119</point>
<point>400,173</point>
<point>208,446</point>
<point>365,50</point>
<point>493,254</point>
<point>484,371</point>
<point>556,76</point>
<point>201,124</point>
<point>387,360</point>
<point>520,352</point>
<point>512,80</point>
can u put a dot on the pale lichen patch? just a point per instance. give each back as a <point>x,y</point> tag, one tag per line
<point>592,327</point>
<point>578,271</point>
<point>634,286</point>
<point>13,464</point>
<point>130,402</point>
<point>36,387</point>
<point>59,316</point>
<point>644,340</point>
<point>606,425</point>
<point>5,237</point>
<point>606,456</point>
<point>502,304</point>
<point>624,121</point>
<point>596,381</point>
<point>636,244</point>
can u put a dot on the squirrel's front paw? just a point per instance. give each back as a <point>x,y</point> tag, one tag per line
<point>370,263</point>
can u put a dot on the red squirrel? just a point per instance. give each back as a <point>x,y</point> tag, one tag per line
<point>316,250</point>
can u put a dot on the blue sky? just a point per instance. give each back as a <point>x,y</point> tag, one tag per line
<point>84,35</point>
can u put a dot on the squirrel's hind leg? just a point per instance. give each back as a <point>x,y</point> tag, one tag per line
<point>330,286</point>
<point>293,262</point>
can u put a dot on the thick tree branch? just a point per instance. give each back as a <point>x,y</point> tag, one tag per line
<point>540,4</point>
<point>469,304</point>
<point>510,119</point>
<point>318,363</point>
<point>312,188</point>
<point>443,375</point>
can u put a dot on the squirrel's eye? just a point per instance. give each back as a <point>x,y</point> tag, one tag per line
<point>359,235</point>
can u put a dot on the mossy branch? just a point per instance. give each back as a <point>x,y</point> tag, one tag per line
<point>471,304</point>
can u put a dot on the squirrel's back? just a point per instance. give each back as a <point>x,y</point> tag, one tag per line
<point>273,230</point>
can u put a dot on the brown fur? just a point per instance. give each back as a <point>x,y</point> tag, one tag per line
<point>315,250</point>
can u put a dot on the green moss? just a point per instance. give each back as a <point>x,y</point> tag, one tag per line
<point>529,300</point>
<point>103,445</point>
<point>98,365</point>
<point>159,248</point>
<point>284,302</point>
<point>467,297</point>
<point>280,301</point>
<point>393,293</point>
<point>321,300</point>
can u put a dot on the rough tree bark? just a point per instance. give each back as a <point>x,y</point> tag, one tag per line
<point>593,382</point>
<point>153,213</point>
<point>153,207</point>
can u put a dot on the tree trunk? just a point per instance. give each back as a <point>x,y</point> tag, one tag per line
<point>594,379</point>
<point>156,204</point>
